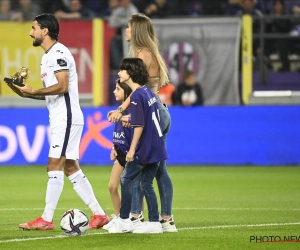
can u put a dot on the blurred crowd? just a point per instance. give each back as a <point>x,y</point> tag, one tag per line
<point>19,10</point>
<point>118,11</point>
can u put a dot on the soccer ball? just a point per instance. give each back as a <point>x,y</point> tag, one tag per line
<point>74,222</point>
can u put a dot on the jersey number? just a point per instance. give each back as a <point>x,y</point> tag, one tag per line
<point>156,122</point>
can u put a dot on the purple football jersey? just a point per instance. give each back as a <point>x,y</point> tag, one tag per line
<point>144,112</point>
<point>122,136</point>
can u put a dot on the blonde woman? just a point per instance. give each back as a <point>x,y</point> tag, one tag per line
<point>144,44</point>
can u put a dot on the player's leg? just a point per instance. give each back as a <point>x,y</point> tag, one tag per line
<point>80,183</point>
<point>55,180</point>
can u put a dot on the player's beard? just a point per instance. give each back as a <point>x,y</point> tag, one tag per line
<point>37,42</point>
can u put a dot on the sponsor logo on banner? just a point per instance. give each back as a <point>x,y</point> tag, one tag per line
<point>24,141</point>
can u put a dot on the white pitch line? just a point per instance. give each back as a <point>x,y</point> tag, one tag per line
<point>179,208</point>
<point>237,226</point>
<point>237,208</point>
<point>180,229</point>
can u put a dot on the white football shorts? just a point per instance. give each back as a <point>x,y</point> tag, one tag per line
<point>65,141</point>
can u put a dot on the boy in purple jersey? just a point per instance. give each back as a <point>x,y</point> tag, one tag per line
<point>147,148</point>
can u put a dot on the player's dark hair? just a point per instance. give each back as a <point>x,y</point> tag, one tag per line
<point>49,21</point>
<point>126,88</point>
<point>136,69</point>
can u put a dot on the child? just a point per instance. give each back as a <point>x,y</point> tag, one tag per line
<point>121,141</point>
<point>146,150</point>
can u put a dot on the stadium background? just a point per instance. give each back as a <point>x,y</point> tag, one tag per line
<point>223,131</point>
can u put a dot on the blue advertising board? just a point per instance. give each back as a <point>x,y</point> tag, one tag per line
<point>257,135</point>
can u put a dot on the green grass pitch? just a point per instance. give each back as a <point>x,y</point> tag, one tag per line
<point>214,207</point>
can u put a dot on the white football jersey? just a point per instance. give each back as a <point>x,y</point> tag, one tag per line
<point>62,108</point>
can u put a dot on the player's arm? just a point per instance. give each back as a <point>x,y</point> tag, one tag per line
<point>60,87</point>
<point>24,95</point>
<point>137,132</point>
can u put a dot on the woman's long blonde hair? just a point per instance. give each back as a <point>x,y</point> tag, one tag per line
<point>143,36</point>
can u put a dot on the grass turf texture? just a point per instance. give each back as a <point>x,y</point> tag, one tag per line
<point>214,208</point>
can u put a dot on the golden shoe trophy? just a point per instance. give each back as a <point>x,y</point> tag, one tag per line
<point>17,78</point>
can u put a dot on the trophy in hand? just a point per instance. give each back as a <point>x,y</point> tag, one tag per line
<point>17,78</point>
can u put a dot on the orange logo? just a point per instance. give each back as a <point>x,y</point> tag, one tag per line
<point>94,128</point>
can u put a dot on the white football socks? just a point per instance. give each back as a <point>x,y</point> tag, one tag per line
<point>54,189</point>
<point>85,191</point>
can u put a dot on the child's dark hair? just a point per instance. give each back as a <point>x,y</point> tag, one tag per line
<point>125,87</point>
<point>136,69</point>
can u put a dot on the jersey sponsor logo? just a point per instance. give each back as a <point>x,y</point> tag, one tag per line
<point>61,62</point>
<point>134,103</point>
<point>28,141</point>
<point>119,135</point>
<point>55,146</point>
<point>118,141</point>
<point>44,75</point>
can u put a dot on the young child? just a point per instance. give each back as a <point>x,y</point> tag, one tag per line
<point>121,140</point>
<point>146,150</point>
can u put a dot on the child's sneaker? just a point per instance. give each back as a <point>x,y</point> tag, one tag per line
<point>168,226</point>
<point>121,226</point>
<point>98,221</point>
<point>112,221</point>
<point>149,228</point>
<point>37,224</point>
